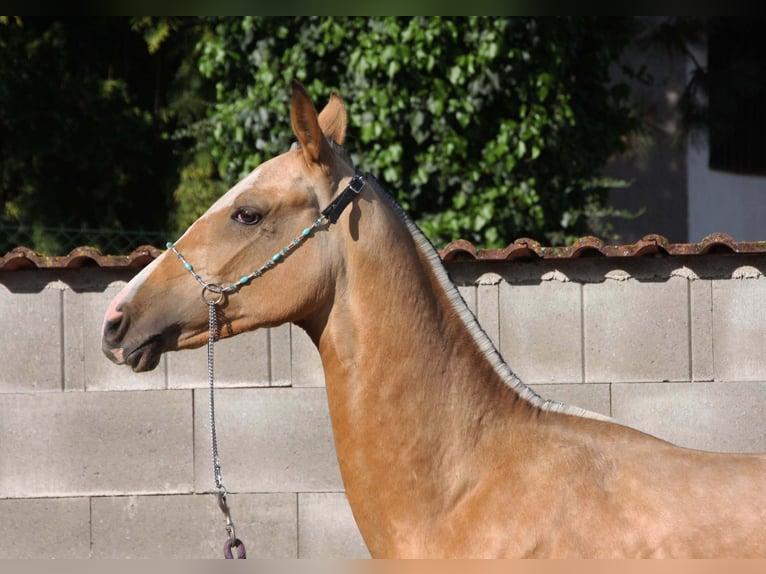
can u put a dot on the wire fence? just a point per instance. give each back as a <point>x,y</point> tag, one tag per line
<point>61,240</point>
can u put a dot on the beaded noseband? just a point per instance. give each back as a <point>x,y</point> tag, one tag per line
<point>213,294</point>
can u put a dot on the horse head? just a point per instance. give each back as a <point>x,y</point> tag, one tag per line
<point>276,205</point>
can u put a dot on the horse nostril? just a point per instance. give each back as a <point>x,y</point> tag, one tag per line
<point>115,325</point>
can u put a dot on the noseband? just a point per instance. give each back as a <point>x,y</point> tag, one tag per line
<point>213,295</point>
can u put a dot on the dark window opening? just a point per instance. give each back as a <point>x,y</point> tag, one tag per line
<point>737,96</point>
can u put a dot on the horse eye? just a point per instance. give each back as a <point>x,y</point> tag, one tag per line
<point>246,215</point>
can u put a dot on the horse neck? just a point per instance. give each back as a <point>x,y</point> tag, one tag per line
<point>410,388</point>
<point>397,319</point>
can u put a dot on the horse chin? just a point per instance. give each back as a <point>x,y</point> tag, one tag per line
<point>146,357</point>
<point>140,352</point>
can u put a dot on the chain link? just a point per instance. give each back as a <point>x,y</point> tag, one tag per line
<point>212,338</point>
<point>232,542</point>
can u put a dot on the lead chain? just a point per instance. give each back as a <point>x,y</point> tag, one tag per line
<point>212,338</point>
<point>232,542</point>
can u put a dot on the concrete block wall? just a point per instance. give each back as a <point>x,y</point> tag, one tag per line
<point>96,461</point>
<point>672,346</point>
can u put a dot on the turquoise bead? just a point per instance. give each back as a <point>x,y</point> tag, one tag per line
<point>306,232</point>
<point>188,266</point>
<point>276,257</point>
<point>244,280</point>
<point>169,245</point>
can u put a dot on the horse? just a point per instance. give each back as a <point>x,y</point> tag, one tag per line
<point>443,450</point>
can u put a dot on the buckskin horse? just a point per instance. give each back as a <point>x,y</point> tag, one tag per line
<point>443,451</point>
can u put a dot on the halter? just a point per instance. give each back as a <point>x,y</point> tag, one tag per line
<point>213,294</point>
<point>330,214</point>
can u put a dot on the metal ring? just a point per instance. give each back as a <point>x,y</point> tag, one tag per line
<point>236,543</point>
<point>215,289</point>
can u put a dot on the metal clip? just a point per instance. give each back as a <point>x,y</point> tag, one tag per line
<point>224,506</point>
<point>233,542</point>
<point>358,179</point>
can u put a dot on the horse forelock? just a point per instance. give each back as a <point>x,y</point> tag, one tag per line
<point>480,337</point>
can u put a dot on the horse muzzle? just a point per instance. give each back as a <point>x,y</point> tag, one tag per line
<point>139,356</point>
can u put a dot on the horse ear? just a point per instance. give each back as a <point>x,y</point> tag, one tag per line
<point>333,119</point>
<point>303,116</point>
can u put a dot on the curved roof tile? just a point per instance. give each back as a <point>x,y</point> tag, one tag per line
<point>594,247</point>
<point>26,258</point>
<point>461,250</point>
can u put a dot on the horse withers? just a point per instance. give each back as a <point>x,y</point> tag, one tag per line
<point>443,451</point>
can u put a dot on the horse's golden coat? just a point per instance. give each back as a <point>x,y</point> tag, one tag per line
<point>443,452</point>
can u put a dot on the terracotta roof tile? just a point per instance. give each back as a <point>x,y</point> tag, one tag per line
<point>594,247</point>
<point>25,258</point>
<point>461,250</point>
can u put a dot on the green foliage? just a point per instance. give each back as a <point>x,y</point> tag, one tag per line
<point>483,128</point>
<point>83,118</point>
<point>198,189</point>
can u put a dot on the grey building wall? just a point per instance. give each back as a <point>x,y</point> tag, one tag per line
<point>654,163</point>
<point>672,188</point>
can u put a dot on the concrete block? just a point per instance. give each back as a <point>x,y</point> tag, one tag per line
<point>86,365</point>
<point>43,528</point>
<point>593,397</point>
<point>326,528</point>
<point>279,356</point>
<point>306,364</point>
<point>488,308</point>
<point>74,324</point>
<point>726,417</point>
<point>192,526</point>
<point>74,444</point>
<point>701,308</point>
<point>240,361</point>
<point>636,331</point>
<point>468,293</point>
<point>739,337</point>
<point>269,440</point>
<point>31,340</point>
<point>541,331</point>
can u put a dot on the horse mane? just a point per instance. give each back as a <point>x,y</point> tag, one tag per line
<point>480,337</point>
